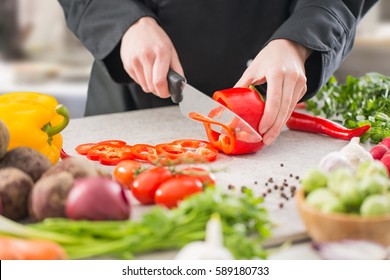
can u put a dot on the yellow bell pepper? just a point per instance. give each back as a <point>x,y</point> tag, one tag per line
<point>34,120</point>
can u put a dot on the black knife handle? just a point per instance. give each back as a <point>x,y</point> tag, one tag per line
<point>175,85</point>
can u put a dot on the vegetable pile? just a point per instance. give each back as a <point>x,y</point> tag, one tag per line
<point>358,102</point>
<point>365,192</point>
<point>244,220</point>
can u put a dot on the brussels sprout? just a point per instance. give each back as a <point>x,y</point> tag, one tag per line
<point>324,200</point>
<point>369,168</point>
<point>375,205</point>
<point>375,184</point>
<point>350,195</point>
<point>314,179</point>
<point>339,177</point>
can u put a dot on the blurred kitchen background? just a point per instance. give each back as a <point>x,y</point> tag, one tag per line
<point>38,53</point>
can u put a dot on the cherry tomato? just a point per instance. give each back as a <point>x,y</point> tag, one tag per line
<point>174,190</point>
<point>207,178</point>
<point>145,185</point>
<point>126,171</point>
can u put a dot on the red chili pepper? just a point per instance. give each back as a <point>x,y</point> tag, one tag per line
<point>315,124</point>
<point>245,102</point>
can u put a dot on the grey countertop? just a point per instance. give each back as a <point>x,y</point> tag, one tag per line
<point>293,153</point>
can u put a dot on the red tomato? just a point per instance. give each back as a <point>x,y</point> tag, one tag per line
<point>207,178</point>
<point>126,171</point>
<point>145,185</point>
<point>83,149</point>
<point>174,190</point>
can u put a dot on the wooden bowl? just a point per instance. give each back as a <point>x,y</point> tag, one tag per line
<point>332,227</point>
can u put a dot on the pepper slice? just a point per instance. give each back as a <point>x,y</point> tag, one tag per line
<point>245,102</point>
<point>109,154</point>
<point>116,155</point>
<point>188,150</point>
<point>83,149</point>
<point>143,151</point>
<point>315,124</point>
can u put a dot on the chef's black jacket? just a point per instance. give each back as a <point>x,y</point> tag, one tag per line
<point>214,39</point>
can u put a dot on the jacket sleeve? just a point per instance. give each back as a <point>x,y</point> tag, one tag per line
<point>327,28</point>
<point>100,25</point>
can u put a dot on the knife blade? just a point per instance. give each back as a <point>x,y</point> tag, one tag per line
<point>192,100</point>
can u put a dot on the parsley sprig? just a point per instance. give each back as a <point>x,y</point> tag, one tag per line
<point>357,102</point>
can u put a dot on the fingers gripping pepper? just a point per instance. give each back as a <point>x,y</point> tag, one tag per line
<point>245,102</point>
<point>315,124</point>
<point>34,120</point>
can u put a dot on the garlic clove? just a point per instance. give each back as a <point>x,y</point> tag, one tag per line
<point>210,249</point>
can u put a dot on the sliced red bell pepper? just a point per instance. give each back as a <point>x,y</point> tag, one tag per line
<point>110,154</point>
<point>187,150</point>
<point>116,155</point>
<point>315,124</point>
<point>83,149</point>
<point>199,148</point>
<point>143,151</point>
<point>249,105</point>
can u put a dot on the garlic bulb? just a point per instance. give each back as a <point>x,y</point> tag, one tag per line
<point>333,161</point>
<point>355,153</point>
<point>210,249</point>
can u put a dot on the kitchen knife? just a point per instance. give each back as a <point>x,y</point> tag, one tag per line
<point>192,100</point>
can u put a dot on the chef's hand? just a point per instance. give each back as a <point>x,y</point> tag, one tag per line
<point>281,65</point>
<point>147,53</point>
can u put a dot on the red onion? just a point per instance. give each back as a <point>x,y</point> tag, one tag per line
<point>351,250</point>
<point>97,198</point>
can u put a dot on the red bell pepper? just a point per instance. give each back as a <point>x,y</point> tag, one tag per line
<point>315,124</point>
<point>245,102</point>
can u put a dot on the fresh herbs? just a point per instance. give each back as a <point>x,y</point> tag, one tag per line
<point>244,220</point>
<point>357,102</point>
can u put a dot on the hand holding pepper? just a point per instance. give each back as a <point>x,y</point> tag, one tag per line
<point>281,65</point>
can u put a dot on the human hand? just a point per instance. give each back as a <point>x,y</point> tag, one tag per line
<point>147,53</point>
<point>281,65</point>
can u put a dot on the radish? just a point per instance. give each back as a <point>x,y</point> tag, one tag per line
<point>386,161</point>
<point>386,142</point>
<point>378,151</point>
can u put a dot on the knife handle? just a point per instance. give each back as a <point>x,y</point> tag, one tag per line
<point>175,85</point>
